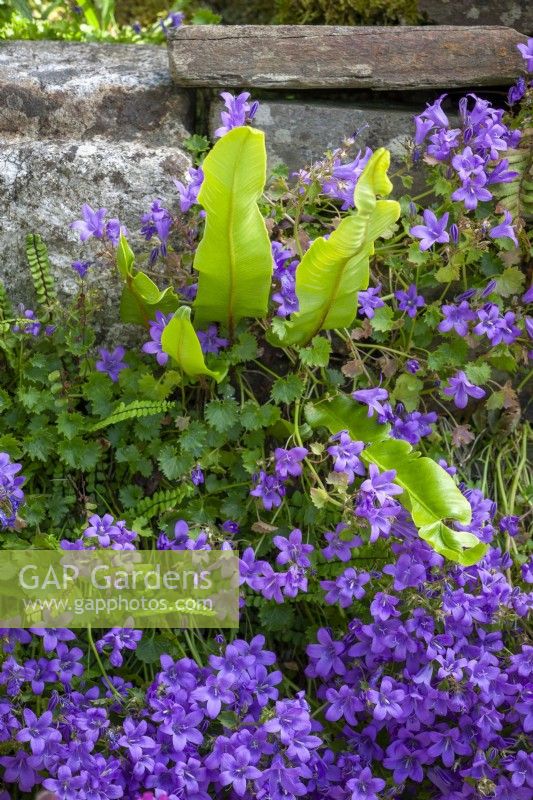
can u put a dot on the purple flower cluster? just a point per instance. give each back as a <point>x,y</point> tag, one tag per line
<point>238,112</point>
<point>157,222</point>
<point>408,425</point>
<point>93,224</point>
<point>433,699</point>
<point>271,488</point>
<point>153,347</point>
<point>189,190</point>
<point>498,327</point>
<point>11,495</point>
<point>28,322</point>
<point>473,150</point>
<point>341,182</point>
<point>90,747</point>
<point>285,277</point>
<point>263,578</point>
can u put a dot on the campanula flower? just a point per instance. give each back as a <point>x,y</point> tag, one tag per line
<point>504,229</point>
<point>433,230</point>
<point>153,347</point>
<point>210,341</point>
<point>92,223</point>
<point>111,363</point>
<point>460,389</point>
<point>527,53</point>
<point>409,300</point>
<point>189,190</point>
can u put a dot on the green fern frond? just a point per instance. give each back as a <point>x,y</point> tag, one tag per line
<point>517,196</point>
<point>134,410</point>
<point>166,500</point>
<point>5,309</point>
<point>41,271</point>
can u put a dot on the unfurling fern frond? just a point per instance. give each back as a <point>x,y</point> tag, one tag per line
<point>517,196</point>
<point>134,410</point>
<point>41,271</point>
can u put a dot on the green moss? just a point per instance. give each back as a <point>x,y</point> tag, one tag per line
<point>347,12</point>
<point>143,11</point>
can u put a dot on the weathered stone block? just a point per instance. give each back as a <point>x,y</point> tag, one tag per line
<point>336,57</point>
<point>298,133</point>
<point>74,90</point>
<point>43,185</point>
<point>515,13</point>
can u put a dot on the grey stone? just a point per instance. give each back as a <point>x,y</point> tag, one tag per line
<point>43,185</point>
<point>78,91</point>
<point>514,13</point>
<point>298,133</point>
<point>336,57</point>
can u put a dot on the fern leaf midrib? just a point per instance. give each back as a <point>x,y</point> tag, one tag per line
<point>334,294</point>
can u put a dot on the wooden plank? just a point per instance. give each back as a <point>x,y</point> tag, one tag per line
<point>336,57</point>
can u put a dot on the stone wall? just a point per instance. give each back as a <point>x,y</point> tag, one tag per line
<point>105,124</point>
<point>94,123</point>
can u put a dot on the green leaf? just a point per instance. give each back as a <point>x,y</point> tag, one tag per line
<point>317,354</point>
<point>149,650</point>
<point>510,282</point>
<point>40,270</point>
<point>276,617</point>
<point>416,255</point>
<point>344,414</point>
<point>125,257</point>
<point>459,546</point>
<point>501,358</point>
<point>180,341</point>
<point>244,349</point>
<point>383,319</point>
<point>70,424</point>
<point>141,298</point>
<point>430,494</point>
<point>197,143</point>
<point>234,258</point>
<point>169,462</point>
<point>448,273</point>
<point>407,390</point>
<point>79,454</point>
<point>333,270</point>
<point>253,416</point>
<point>222,414</point>
<point>449,354</point>
<point>287,389</point>
<point>478,372</point>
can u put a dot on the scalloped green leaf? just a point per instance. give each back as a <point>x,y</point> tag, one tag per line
<point>234,258</point>
<point>342,414</point>
<point>333,270</point>
<point>180,341</point>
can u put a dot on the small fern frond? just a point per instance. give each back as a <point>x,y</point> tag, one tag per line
<point>134,410</point>
<point>165,500</point>
<point>5,309</point>
<point>517,196</point>
<point>41,271</point>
